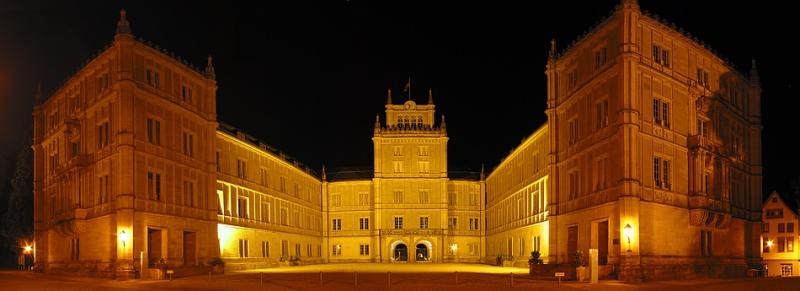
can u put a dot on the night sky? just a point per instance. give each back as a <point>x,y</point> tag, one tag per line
<point>310,78</point>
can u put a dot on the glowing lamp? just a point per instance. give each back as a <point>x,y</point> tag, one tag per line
<point>628,230</point>
<point>454,247</point>
<point>123,236</point>
<point>28,249</point>
<point>769,243</point>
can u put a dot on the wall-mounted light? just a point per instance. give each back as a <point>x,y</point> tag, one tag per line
<point>123,236</point>
<point>628,230</point>
<point>453,248</point>
<point>769,244</point>
<point>28,249</point>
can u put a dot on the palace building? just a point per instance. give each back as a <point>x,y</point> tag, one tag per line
<point>650,157</point>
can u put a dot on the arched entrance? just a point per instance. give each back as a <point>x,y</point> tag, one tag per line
<point>400,253</point>
<point>422,253</point>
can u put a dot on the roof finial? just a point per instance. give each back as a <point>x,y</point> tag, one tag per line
<point>324,175</point>
<point>123,27</point>
<point>37,97</point>
<point>754,73</point>
<point>483,175</point>
<point>210,72</point>
<point>552,54</point>
<point>389,97</point>
<point>430,96</point>
<point>443,126</point>
<point>377,123</point>
<point>630,3</point>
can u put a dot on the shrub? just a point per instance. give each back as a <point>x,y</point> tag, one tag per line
<point>216,261</point>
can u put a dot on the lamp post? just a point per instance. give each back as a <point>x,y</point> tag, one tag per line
<point>27,251</point>
<point>628,234</point>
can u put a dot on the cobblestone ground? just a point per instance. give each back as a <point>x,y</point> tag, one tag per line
<point>375,277</point>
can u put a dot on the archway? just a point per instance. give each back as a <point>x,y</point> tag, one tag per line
<point>400,253</point>
<point>422,253</point>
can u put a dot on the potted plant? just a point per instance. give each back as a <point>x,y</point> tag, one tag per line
<point>534,260</point>
<point>578,262</point>
<point>294,261</point>
<point>217,265</point>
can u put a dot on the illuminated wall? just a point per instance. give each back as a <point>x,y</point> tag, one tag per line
<point>778,241</point>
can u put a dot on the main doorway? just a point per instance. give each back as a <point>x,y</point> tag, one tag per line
<point>401,253</point>
<point>189,247</point>
<point>422,253</point>
<point>153,247</point>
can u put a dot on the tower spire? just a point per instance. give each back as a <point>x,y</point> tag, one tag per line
<point>37,97</point>
<point>552,54</point>
<point>754,73</point>
<point>377,123</point>
<point>483,175</point>
<point>430,96</point>
<point>123,27</point>
<point>443,126</point>
<point>210,72</point>
<point>389,97</point>
<point>324,174</point>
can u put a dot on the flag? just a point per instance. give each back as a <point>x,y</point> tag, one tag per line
<point>408,85</point>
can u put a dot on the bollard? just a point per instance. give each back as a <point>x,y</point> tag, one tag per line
<point>512,279</point>
<point>389,282</point>
<point>356,278</point>
<point>261,278</point>
<point>456,278</point>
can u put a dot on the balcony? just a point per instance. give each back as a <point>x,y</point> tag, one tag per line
<point>70,222</point>
<point>699,141</point>
<point>411,232</point>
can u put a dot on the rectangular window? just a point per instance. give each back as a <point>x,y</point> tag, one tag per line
<point>474,199</point>
<point>297,250</point>
<point>765,244</point>
<point>781,228</point>
<point>188,193</point>
<point>451,199</point>
<point>572,79</point>
<point>473,224</point>
<point>266,212</point>
<point>790,227</point>
<point>188,144</point>
<point>284,248</point>
<point>601,110</point>
<point>573,131</point>
<point>104,189</point>
<point>363,223</point>
<point>781,244</point>
<point>423,222</point>
<point>283,184</point>
<point>656,111</point>
<point>452,223</point>
<point>336,224</point>
<point>153,131</point>
<point>153,186</point>
<point>656,54</point>
<point>156,79</point>
<point>664,114</point>
<point>102,135</point>
<point>398,197</point>
<point>241,207</point>
<point>702,77</point>
<point>600,169</point>
<point>398,222</point>
<point>264,176</point>
<point>241,169</point>
<point>423,151</point>
<point>363,249</point>
<point>284,216</point>
<point>656,171</point>
<point>265,249</point>
<point>573,185</point>
<point>423,196</point>
<point>243,248</point>
<point>600,57</point>
<point>765,227</point>
<point>363,199</point>
<point>424,167</point>
<point>667,184</point>
<point>398,166</point>
<point>397,151</point>
<point>336,200</point>
<point>337,250</point>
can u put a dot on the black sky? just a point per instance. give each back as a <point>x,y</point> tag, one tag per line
<point>309,78</point>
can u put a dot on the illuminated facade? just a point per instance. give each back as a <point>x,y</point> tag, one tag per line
<point>779,237</point>
<point>647,128</point>
<point>651,155</point>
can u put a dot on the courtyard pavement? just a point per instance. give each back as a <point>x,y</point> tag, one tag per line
<point>415,277</point>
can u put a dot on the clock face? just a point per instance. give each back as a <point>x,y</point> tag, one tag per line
<point>410,104</point>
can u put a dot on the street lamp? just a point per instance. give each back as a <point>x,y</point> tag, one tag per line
<point>628,234</point>
<point>28,249</point>
<point>769,243</point>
